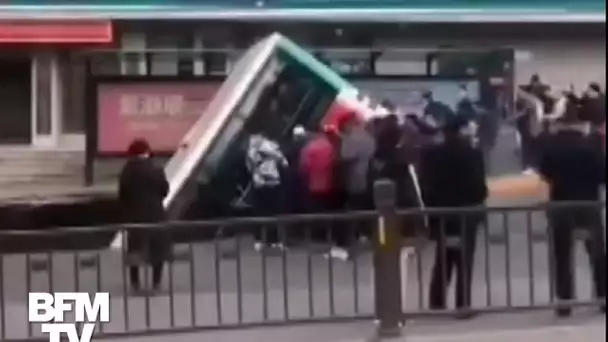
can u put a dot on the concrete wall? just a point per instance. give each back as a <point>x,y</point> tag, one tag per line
<point>563,63</point>
<point>561,54</point>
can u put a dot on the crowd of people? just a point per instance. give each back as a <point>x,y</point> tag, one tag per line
<point>435,159</point>
<point>533,120</point>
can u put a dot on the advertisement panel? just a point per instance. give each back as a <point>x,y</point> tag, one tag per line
<point>160,112</point>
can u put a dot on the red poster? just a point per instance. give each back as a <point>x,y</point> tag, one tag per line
<point>58,31</point>
<point>160,112</point>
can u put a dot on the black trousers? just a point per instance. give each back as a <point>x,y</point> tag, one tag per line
<point>529,151</point>
<point>345,233</point>
<point>563,224</point>
<point>450,258</point>
<point>267,202</point>
<point>157,273</point>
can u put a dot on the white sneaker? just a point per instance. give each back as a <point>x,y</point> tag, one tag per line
<point>280,246</point>
<point>529,172</point>
<point>258,246</point>
<point>338,253</point>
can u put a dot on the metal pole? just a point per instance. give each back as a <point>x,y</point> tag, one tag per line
<point>387,274</point>
<point>90,126</point>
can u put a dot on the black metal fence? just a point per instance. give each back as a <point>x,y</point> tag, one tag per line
<point>506,259</point>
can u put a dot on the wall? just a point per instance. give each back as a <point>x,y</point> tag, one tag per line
<point>563,63</point>
<point>580,5</point>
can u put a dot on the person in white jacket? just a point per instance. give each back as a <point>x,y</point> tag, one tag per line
<point>266,163</point>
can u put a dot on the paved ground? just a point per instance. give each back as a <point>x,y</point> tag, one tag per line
<point>44,191</point>
<point>493,328</point>
<point>232,292</point>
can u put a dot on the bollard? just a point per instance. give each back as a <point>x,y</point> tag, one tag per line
<point>387,254</point>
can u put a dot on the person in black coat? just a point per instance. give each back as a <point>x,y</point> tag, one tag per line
<point>593,105</point>
<point>574,166</point>
<point>142,189</point>
<point>453,175</point>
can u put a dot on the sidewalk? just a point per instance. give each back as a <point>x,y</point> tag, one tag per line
<point>537,327</point>
<point>595,332</point>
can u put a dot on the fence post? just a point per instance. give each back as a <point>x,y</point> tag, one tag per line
<point>387,270</point>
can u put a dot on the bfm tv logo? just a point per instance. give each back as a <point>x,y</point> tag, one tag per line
<point>49,309</point>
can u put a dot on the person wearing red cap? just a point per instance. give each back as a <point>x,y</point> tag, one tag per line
<point>142,189</point>
<point>317,165</point>
<point>357,148</point>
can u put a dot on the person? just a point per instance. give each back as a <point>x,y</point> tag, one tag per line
<point>395,159</point>
<point>317,164</point>
<point>528,130</point>
<point>574,168</point>
<point>412,137</point>
<point>266,164</point>
<point>317,169</point>
<point>295,187</point>
<point>489,127</point>
<point>465,107</point>
<point>536,86</point>
<point>541,91</point>
<point>436,112</point>
<point>593,105</point>
<point>357,149</point>
<point>142,189</point>
<point>453,175</point>
<point>395,153</point>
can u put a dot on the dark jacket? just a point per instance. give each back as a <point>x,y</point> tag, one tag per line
<point>438,111</point>
<point>142,189</point>
<point>453,175</point>
<point>296,186</point>
<point>391,162</point>
<point>466,110</point>
<point>574,166</point>
<point>593,109</point>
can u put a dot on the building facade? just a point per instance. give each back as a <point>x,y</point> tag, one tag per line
<point>48,61</point>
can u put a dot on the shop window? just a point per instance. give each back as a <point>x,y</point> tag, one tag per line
<point>104,64</point>
<point>73,75</point>
<point>132,56</point>
<point>349,62</point>
<point>412,63</point>
<point>43,93</point>
<point>219,61</point>
<point>171,54</point>
<point>459,63</point>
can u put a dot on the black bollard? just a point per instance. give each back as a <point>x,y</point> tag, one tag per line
<point>387,253</point>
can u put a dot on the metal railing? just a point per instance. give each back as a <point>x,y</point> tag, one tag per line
<point>214,279</point>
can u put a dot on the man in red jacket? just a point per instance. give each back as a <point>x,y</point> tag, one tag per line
<point>317,168</point>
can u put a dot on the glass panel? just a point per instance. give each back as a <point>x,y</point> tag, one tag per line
<point>459,63</point>
<point>215,63</point>
<point>73,76</point>
<point>105,64</point>
<point>43,94</point>
<point>353,63</point>
<point>402,63</point>
<point>131,62</point>
<point>163,63</point>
